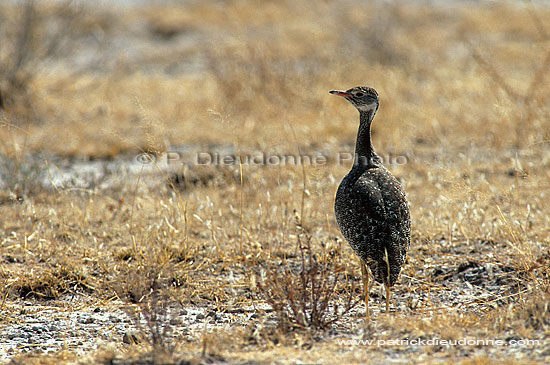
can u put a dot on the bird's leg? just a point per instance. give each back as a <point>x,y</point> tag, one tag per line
<point>387,299</point>
<point>387,283</point>
<point>365,274</point>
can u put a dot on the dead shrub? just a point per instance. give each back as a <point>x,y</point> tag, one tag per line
<point>303,293</point>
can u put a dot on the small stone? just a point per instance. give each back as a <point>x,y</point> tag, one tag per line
<point>114,319</point>
<point>87,320</point>
<point>130,338</point>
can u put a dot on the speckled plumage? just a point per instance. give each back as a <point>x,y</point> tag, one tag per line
<point>372,214</point>
<point>371,208</point>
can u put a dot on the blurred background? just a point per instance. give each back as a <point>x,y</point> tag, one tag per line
<point>95,80</point>
<point>86,88</point>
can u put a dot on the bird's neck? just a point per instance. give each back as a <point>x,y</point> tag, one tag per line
<point>365,156</point>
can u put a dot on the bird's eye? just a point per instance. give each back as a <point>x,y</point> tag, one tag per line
<point>359,94</point>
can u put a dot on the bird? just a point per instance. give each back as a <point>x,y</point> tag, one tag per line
<point>370,205</point>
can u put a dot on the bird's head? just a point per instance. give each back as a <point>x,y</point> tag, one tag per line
<point>364,98</point>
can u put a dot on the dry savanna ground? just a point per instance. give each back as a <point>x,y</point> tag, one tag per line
<point>229,263</point>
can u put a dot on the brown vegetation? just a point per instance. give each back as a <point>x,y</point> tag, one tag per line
<point>465,96</point>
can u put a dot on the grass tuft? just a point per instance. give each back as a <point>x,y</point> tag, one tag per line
<point>301,292</point>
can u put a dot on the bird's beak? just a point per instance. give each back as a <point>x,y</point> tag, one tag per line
<point>339,93</point>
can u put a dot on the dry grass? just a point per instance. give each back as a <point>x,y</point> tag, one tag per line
<point>464,95</point>
<point>306,296</point>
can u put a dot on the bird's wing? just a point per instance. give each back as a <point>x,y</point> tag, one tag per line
<point>371,197</point>
<point>373,194</point>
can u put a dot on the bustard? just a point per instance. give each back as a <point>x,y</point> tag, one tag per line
<point>371,208</point>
